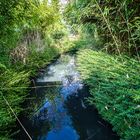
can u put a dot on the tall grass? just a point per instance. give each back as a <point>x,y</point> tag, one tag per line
<point>18,20</point>
<point>110,26</point>
<point>114,88</point>
<point>117,22</point>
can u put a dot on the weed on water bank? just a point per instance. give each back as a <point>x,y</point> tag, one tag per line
<point>115,89</point>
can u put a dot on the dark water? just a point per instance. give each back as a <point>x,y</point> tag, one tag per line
<point>61,111</point>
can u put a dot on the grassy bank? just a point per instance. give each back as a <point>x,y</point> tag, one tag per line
<point>14,81</point>
<point>115,89</point>
<point>31,34</point>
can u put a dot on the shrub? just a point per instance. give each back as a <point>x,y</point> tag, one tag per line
<point>115,89</point>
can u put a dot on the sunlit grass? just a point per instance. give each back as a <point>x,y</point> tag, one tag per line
<point>114,88</point>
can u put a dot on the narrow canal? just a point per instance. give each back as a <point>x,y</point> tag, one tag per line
<point>61,110</point>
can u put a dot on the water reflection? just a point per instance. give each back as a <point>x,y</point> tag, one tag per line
<point>61,124</point>
<point>61,112</point>
<point>54,110</point>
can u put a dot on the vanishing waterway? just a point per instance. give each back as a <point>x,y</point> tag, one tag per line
<point>61,111</point>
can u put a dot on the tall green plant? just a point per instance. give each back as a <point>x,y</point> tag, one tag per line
<point>114,88</point>
<point>117,22</point>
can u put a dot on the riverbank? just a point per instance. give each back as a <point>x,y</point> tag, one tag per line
<point>15,81</point>
<point>59,103</point>
<point>14,87</point>
<point>114,88</point>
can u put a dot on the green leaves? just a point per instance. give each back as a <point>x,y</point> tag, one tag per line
<point>114,86</point>
<point>114,19</point>
<point>10,83</point>
<point>32,24</point>
<point>2,67</point>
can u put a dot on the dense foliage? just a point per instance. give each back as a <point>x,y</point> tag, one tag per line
<point>33,32</point>
<point>15,96</point>
<point>117,22</point>
<point>30,30</point>
<point>115,90</point>
<point>111,27</point>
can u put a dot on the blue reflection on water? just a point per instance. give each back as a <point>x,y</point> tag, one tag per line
<point>57,115</point>
<point>71,89</point>
<point>53,121</point>
<point>66,132</point>
<point>54,111</point>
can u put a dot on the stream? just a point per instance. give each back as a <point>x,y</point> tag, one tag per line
<point>61,110</point>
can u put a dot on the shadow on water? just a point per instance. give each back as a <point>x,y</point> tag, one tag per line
<point>60,108</point>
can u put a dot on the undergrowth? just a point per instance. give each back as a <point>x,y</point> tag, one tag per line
<point>115,89</point>
<point>35,25</point>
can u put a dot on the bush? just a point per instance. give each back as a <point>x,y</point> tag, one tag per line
<point>20,21</point>
<point>9,81</point>
<point>115,89</point>
<point>117,22</point>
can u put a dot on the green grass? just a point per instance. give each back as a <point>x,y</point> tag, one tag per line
<point>18,75</point>
<point>117,22</point>
<point>115,89</point>
<point>9,79</point>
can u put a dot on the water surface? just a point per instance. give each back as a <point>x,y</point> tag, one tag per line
<point>61,111</point>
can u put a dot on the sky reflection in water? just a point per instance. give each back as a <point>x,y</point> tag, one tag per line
<point>54,110</point>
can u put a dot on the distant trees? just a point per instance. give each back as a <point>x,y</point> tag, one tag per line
<point>18,15</point>
<point>117,22</point>
<point>111,26</point>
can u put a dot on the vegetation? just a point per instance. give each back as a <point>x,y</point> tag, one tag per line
<point>106,35</point>
<point>30,36</point>
<point>110,27</point>
<point>114,88</point>
<point>116,22</point>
